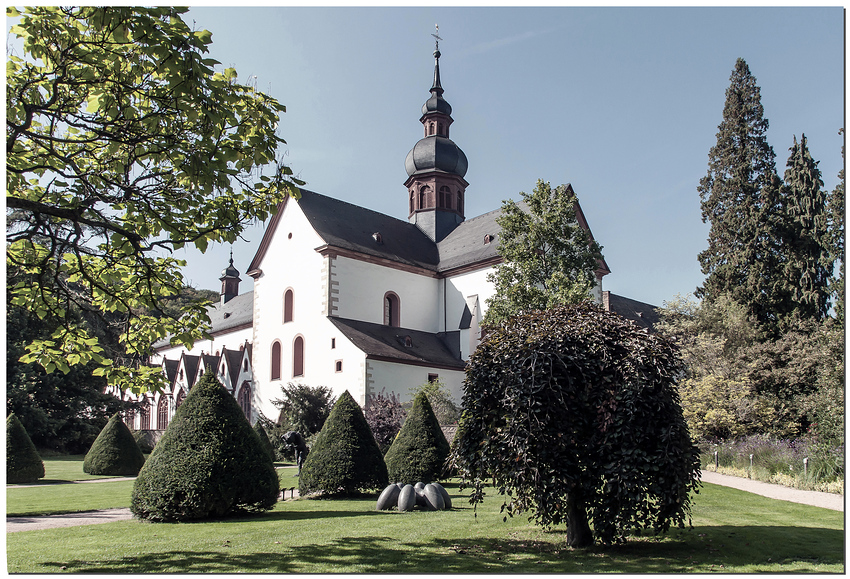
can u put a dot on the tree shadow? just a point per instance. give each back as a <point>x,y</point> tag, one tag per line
<point>699,549</point>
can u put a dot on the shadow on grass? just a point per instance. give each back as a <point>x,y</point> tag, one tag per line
<point>700,549</point>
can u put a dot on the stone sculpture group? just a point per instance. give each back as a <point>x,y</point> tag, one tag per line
<point>431,496</point>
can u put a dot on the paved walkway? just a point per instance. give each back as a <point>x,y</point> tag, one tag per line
<point>779,492</point>
<point>817,499</point>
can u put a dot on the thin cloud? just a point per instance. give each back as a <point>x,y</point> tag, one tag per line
<point>484,47</point>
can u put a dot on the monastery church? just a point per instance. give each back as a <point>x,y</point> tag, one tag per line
<point>355,300</point>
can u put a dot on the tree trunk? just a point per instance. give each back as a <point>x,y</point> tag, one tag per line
<point>578,530</point>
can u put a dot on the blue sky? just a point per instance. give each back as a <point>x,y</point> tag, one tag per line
<point>623,103</point>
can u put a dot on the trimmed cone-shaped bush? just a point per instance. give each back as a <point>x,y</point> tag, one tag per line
<point>114,451</point>
<point>345,458</point>
<point>209,463</point>
<point>23,464</point>
<point>264,439</point>
<point>420,450</point>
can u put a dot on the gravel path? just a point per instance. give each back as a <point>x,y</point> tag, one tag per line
<point>817,499</point>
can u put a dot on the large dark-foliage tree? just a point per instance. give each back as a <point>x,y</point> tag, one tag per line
<point>209,463</point>
<point>61,412</point>
<point>549,259</point>
<point>115,451</point>
<point>23,464</point>
<point>740,199</point>
<point>573,413</point>
<point>420,450</point>
<point>123,144</point>
<point>345,459</point>
<point>303,408</point>
<point>809,261</point>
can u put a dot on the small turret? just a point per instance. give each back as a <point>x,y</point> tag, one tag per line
<point>229,281</point>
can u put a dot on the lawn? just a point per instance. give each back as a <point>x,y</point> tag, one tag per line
<point>733,532</point>
<point>47,497</point>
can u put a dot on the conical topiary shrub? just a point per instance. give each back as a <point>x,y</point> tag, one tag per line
<point>23,464</point>
<point>209,463</point>
<point>114,451</point>
<point>264,439</point>
<point>345,458</point>
<point>420,450</point>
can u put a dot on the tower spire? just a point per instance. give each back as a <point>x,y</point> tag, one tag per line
<point>436,87</point>
<point>436,166</point>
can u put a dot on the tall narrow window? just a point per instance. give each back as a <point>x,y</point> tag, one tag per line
<point>460,201</point>
<point>288,298</point>
<point>298,357</point>
<point>130,418</point>
<point>411,201</point>
<point>145,416</point>
<point>181,396</point>
<point>392,310</point>
<point>276,361</point>
<point>244,399</point>
<point>445,197</point>
<point>423,197</point>
<point>162,413</point>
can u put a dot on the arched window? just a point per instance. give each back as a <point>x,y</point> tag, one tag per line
<point>423,196</point>
<point>244,399</point>
<point>445,197</point>
<point>162,413</point>
<point>392,310</point>
<point>288,298</point>
<point>181,396</point>
<point>145,416</point>
<point>411,201</point>
<point>298,357</point>
<point>130,418</point>
<point>276,361</point>
<point>460,201</point>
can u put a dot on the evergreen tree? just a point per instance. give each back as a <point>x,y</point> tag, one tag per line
<point>208,464</point>
<point>835,212</point>
<point>549,259</point>
<point>115,451</point>
<point>345,458</point>
<point>23,464</point>
<point>740,199</point>
<point>808,268</point>
<point>420,450</point>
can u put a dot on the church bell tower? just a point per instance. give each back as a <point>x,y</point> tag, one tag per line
<point>436,167</point>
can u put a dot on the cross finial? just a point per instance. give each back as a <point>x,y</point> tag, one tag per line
<point>437,38</point>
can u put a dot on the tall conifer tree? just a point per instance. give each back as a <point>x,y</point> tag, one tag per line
<point>835,212</point>
<point>740,199</point>
<point>809,261</point>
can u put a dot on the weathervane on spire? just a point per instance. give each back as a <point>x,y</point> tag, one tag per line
<point>437,38</point>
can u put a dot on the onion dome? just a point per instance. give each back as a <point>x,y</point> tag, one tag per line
<point>230,271</point>
<point>436,153</point>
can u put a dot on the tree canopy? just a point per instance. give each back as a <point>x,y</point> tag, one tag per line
<point>573,414</point>
<point>124,144</point>
<point>549,259</point>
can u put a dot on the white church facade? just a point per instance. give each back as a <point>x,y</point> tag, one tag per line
<point>353,299</point>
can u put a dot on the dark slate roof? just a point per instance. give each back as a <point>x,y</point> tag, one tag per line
<point>644,315</point>
<point>191,365</point>
<point>171,370</point>
<point>349,226</point>
<point>237,311</point>
<point>387,343</point>
<point>233,359</point>
<point>465,245</point>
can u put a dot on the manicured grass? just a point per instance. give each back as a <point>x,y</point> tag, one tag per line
<point>52,499</point>
<point>65,469</point>
<point>734,532</point>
